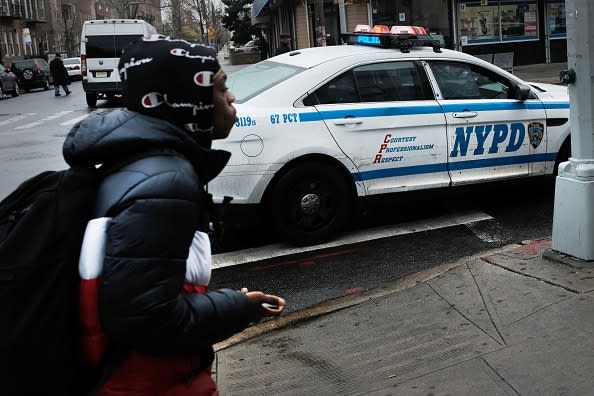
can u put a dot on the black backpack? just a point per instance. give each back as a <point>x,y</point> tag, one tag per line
<point>42,225</point>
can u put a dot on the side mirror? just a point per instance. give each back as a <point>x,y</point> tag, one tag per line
<point>521,92</point>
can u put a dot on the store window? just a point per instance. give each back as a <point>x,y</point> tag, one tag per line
<point>483,22</point>
<point>556,19</point>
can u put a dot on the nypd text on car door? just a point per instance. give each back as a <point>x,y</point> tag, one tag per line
<point>487,127</point>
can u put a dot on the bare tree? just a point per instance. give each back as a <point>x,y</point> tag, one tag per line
<point>72,28</point>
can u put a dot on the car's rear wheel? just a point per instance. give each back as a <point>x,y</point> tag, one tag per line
<point>91,99</point>
<point>28,74</point>
<point>16,91</point>
<point>310,203</point>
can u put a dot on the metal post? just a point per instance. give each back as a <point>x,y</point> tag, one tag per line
<point>342,18</point>
<point>573,219</point>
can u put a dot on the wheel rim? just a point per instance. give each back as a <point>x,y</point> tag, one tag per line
<point>28,74</point>
<point>312,205</point>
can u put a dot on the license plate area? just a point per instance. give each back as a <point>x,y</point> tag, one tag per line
<point>101,74</point>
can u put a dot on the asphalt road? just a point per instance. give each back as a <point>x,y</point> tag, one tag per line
<point>514,212</point>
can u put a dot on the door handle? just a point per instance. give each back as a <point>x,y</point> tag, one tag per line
<point>465,114</point>
<point>348,121</point>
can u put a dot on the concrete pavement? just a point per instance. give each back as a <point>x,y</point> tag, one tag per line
<point>510,322</point>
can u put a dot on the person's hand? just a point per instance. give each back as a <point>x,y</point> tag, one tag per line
<point>257,298</point>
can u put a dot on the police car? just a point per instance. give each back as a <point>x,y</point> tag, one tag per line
<point>319,127</point>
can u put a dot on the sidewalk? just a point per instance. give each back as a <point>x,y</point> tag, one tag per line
<point>509,322</point>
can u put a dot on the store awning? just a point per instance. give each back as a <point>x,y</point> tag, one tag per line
<point>258,6</point>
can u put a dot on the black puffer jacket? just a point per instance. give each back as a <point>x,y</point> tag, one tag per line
<point>155,208</point>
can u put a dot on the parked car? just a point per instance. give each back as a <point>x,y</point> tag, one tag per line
<point>250,47</point>
<point>72,65</point>
<point>32,73</point>
<point>8,82</point>
<point>321,127</point>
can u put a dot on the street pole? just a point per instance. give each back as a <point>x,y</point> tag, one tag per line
<point>573,218</point>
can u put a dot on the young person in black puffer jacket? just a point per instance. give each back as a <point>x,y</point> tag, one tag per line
<point>145,261</point>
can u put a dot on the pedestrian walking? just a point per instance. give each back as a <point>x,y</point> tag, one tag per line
<point>147,250</point>
<point>60,75</point>
<point>285,44</point>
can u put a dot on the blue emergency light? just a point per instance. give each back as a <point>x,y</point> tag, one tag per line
<point>402,38</point>
<point>368,40</point>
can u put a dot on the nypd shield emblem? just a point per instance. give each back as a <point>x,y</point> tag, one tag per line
<point>535,133</point>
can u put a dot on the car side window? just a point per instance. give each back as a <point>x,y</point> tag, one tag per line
<point>341,89</point>
<point>391,81</point>
<point>378,82</point>
<point>457,80</point>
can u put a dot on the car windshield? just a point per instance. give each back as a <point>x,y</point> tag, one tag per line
<point>257,78</point>
<point>73,61</point>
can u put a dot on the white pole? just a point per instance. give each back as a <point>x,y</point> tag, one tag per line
<point>573,219</point>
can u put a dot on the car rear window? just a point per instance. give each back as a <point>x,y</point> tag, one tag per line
<point>257,78</point>
<point>24,64</point>
<point>108,46</point>
<point>71,61</point>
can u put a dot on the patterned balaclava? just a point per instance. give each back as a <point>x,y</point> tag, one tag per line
<point>171,79</point>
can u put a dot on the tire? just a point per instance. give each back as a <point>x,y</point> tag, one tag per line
<point>563,156</point>
<point>46,85</point>
<point>1,92</point>
<point>28,74</point>
<point>310,204</point>
<point>91,99</point>
<point>16,91</point>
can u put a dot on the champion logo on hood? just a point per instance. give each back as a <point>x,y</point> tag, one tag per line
<point>204,79</point>
<point>152,99</point>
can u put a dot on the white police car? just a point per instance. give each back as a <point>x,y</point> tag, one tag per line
<point>319,127</point>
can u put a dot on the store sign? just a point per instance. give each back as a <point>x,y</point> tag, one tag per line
<point>530,23</point>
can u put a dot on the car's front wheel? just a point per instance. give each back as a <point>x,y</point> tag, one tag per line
<point>46,84</point>
<point>17,89</point>
<point>310,203</point>
<point>91,99</point>
<point>1,92</point>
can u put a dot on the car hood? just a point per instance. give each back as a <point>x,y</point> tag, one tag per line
<point>552,91</point>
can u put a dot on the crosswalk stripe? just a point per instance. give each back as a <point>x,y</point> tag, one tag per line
<point>75,120</point>
<point>48,118</point>
<point>16,118</point>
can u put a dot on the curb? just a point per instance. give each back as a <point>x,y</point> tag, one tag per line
<point>354,299</point>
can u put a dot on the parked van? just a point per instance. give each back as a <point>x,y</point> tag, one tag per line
<point>101,46</point>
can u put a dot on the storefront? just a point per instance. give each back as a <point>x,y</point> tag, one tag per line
<point>533,29</point>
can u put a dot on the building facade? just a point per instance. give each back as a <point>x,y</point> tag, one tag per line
<point>534,30</point>
<point>42,27</point>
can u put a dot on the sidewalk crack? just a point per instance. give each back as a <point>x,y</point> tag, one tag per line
<point>500,376</point>
<point>486,306</point>
<point>568,288</point>
<point>538,310</point>
<point>452,306</point>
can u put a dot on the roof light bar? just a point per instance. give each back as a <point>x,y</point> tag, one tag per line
<point>401,37</point>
